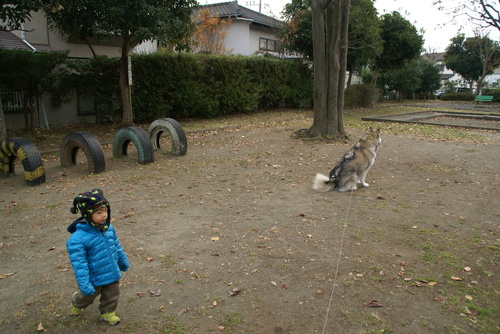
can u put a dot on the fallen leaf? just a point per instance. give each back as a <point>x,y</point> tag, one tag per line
<point>40,328</point>
<point>274,283</point>
<point>6,275</point>
<point>214,238</point>
<point>52,248</point>
<point>380,197</point>
<point>284,286</point>
<point>234,292</point>
<point>468,297</point>
<point>432,283</point>
<point>182,256</point>
<point>456,278</point>
<point>156,293</point>
<point>149,259</point>
<point>373,303</point>
<point>467,269</point>
<point>139,294</point>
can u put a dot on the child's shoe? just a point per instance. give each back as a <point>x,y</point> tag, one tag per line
<point>76,311</point>
<point>110,318</point>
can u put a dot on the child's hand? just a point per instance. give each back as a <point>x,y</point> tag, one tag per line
<point>88,291</point>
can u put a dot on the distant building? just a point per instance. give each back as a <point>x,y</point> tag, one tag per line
<point>250,32</point>
<point>447,75</point>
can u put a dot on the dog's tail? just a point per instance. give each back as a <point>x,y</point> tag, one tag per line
<point>322,183</point>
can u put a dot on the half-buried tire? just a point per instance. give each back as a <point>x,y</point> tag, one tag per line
<point>139,138</point>
<point>173,130</point>
<point>28,154</point>
<point>75,141</point>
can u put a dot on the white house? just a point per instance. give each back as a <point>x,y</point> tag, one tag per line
<point>250,32</point>
<point>437,58</point>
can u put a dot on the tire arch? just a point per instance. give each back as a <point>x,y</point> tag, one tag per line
<point>24,150</point>
<point>174,131</point>
<point>81,140</point>
<point>139,138</point>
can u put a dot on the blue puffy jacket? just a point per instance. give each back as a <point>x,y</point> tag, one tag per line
<point>96,256</point>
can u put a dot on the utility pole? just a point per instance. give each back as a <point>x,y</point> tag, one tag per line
<point>253,3</point>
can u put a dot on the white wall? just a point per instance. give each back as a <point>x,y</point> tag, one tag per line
<point>39,33</point>
<point>238,38</point>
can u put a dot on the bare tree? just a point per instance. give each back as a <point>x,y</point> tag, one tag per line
<point>484,13</point>
<point>330,39</point>
<point>488,51</point>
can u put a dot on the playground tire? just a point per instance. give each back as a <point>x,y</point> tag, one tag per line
<point>75,141</point>
<point>28,154</point>
<point>174,130</point>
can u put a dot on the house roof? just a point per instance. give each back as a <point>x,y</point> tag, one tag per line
<point>446,76</point>
<point>10,41</point>
<point>232,9</point>
<point>434,56</point>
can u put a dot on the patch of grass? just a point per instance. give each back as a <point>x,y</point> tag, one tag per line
<point>171,325</point>
<point>231,321</point>
<point>167,261</point>
<point>133,327</point>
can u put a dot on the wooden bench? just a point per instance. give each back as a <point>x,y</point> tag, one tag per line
<point>483,98</point>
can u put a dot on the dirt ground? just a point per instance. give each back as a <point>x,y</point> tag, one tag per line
<point>231,238</point>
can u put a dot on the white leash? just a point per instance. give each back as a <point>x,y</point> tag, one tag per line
<point>340,253</point>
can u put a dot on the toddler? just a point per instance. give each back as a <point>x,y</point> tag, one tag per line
<point>96,256</point>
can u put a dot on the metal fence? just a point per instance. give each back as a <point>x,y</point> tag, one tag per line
<point>12,102</point>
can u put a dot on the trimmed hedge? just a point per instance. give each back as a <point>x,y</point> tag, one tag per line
<point>189,85</point>
<point>457,97</point>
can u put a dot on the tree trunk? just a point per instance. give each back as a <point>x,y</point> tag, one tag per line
<point>318,127</point>
<point>376,72</point>
<point>344,44</point>
<point>349,79</point>
<point>125,89</point>
<point>3,128</point>
<point>329,67</point>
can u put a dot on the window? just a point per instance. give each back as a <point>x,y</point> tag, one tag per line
<point>267,44</point>
<point>12,102</point>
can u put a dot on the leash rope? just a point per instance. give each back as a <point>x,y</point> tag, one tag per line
<point>340,250</point>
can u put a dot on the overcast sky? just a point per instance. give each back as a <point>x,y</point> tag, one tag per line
<point>437,25</point>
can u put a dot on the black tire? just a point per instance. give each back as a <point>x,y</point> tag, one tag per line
<point>173,129</point>
<point>75,141</point>
<point>139,138</point>
<point>28,154</point>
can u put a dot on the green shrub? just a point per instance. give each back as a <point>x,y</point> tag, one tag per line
<point>362,95</point>
<point>457,97</point>
<point>188,85</point>
<point>495,92</point>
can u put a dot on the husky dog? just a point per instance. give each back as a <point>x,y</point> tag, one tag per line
<point>353,167</point>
